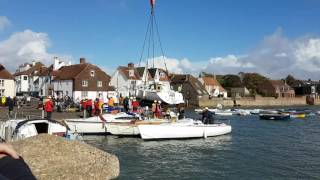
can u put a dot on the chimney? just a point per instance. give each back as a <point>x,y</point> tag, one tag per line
<point>82,60</point>
<point>131,65</point>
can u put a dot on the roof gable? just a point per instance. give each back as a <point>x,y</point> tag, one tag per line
<point>4,74</point>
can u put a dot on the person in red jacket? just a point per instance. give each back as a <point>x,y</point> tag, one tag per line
<point>48,107</point>
<point>135,105</point>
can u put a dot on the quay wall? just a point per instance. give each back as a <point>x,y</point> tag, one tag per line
<point>251,102</point>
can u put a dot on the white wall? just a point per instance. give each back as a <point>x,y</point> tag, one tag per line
<point>64,86</point>
<point>9,88</point>
<point>79,95</point>
<point>22,85</point>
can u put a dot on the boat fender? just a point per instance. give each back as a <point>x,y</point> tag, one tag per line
<point>204,133</point>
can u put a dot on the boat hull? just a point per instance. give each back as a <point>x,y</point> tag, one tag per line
<point>171,131</point>
<point>274,117</point>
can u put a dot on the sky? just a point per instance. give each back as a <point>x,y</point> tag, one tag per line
<point>271,37</point>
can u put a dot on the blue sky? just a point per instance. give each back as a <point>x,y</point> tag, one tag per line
<point>110,32</point>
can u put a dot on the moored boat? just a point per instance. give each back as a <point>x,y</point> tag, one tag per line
<point>273,116</point>
<point>183,130</point>
<point>13,130</point>
<point>97,124</point>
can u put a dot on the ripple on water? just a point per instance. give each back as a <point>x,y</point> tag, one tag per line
<point>256,149</point>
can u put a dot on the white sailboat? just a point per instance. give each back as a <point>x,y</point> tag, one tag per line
<point>180,130</point>
<point>159,88</point>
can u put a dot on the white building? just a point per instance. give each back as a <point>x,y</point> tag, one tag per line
<point>46,87</point>
<point>213,87</point>
<point>81,81</point>
<point>128,79</point>
<point>7,83</point>
<point>27,79</point>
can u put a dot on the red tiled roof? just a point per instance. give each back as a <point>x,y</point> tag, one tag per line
<point>125,71</point>
<point>4,74</point>
<point>31,70</point>
<point>210,81</point>
<point>70,72</point>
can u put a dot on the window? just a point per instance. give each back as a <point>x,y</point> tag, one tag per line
<point>162,75</point>
<point>131,72</point>
<point>84,94</point>
<point>1,83</point>
<point>25,78</point>
<point>1,92</point>
<point>99,83</point>
<point>85,83</point>
<point>92,73</point>
<point>67,93</point>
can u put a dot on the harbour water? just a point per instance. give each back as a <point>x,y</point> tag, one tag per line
<point>256,149</point>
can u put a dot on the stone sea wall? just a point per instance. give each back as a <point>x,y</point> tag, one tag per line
<point>52,157</point>
<point>255,102</point>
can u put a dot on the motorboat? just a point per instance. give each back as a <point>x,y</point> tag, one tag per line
<point>97,124</point>
<point>183,129</point>
<point>298,115</point>
<point>274,116</point>
<point>18,129</point>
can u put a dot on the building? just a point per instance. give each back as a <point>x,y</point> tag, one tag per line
<point>81,81</point>
<point>213,87</point>
<point>27,79</point>
<point>305,88</point>
<point>276,88</point>
<point>238,92</point>
<point>190,87</point>
<point>7,83</point>
<point>47,75</point>
<point>128,79</point>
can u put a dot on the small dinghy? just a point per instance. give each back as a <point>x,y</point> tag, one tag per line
<point>183,129</point>
<point>273,116</point>
<point>13,130</point>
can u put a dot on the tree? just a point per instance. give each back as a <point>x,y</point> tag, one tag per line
<point>291,81</point>
<point>231,80</point>
<point>253,81</point>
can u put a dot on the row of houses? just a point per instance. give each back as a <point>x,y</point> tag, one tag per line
<point>85,80</point>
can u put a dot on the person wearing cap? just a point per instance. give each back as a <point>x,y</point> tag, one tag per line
<point>48,107</point>
<point>207,117</point>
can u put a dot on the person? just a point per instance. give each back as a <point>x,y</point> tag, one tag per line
<point>89,107</point>
<point>12,166</point>
<point>135,105</point>
<point>3,100</point>
<point>181,113</point>
<point>154,108</point>
<point>48,107</point>
<point>158,109</point>
<point>207,117</point>
<point>110,104</point>
<point>126,104</point>
<point>10,105</point>
<point>130,104</point>
<point>96,107</point>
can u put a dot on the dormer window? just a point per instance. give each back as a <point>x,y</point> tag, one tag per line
<point>131,73</point>
<point>92,73</point>
<point>84,83</point>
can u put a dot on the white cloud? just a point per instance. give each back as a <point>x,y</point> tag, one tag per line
<point>4,22</point>
<point>275,56</point>
<point>26,46</point>
<point>172,64</point>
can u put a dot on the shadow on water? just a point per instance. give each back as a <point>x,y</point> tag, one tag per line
<point>256,149</point>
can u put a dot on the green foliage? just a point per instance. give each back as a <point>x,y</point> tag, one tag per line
<point>230,81</point>
<point>253,81</point>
